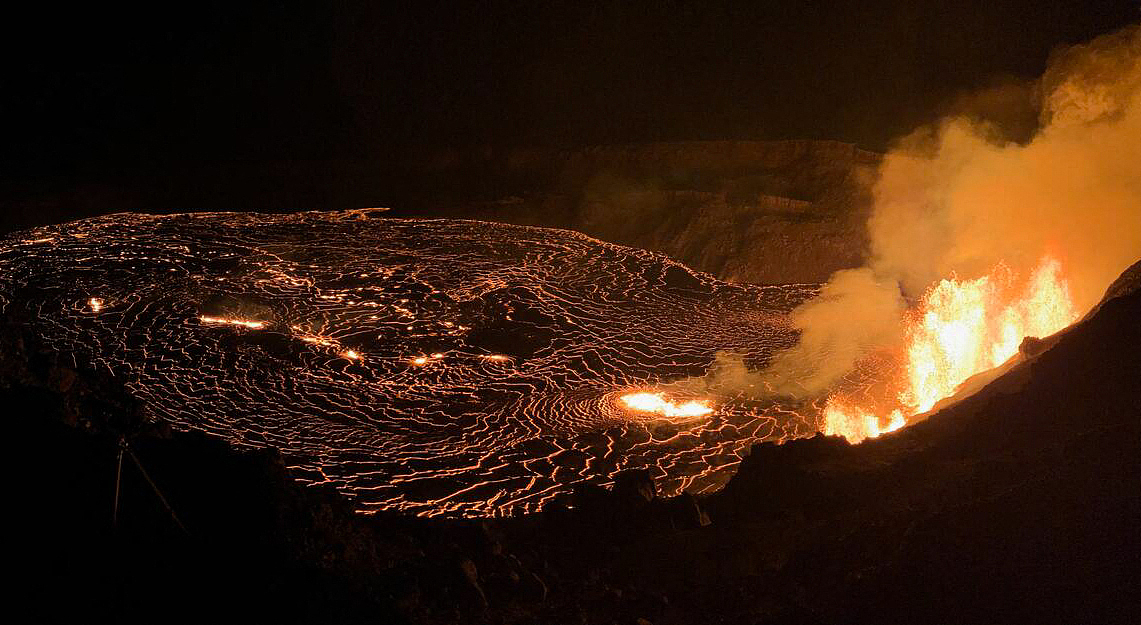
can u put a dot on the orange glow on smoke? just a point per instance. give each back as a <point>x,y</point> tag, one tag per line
<point>656,403</point>
<point>961,328</point>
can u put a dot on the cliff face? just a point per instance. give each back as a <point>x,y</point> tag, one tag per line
<point>761,212</point>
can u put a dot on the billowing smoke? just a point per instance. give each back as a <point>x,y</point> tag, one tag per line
<point>834,334</point>
<point>956,198</point>
<point>952,200</point>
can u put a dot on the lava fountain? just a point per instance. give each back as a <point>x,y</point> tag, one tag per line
<point>961,328</point>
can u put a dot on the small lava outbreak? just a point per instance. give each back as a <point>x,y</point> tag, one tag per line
<point>437,367</point>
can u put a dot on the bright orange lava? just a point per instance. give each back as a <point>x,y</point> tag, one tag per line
<point>245,323</point>
<point>423,360</point>
<point>961,328</point>
<point>657,403</point>
<point>855,423</point>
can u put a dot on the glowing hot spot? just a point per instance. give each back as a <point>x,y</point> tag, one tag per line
<point>657,403</point>
<point>245,323</point>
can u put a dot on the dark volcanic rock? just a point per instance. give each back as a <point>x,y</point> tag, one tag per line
<point>635,485</point>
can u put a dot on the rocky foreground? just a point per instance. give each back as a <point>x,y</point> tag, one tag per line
<point>1020,504</point>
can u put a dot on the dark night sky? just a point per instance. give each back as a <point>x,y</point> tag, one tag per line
<point>106,88</point>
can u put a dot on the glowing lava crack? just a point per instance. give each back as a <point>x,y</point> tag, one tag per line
<point>432,366</point>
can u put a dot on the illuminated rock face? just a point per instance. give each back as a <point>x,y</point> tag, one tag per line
<point>432,366</point>
<point>763,212</point>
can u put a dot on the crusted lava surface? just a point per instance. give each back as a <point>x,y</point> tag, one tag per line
<point>435,367</point>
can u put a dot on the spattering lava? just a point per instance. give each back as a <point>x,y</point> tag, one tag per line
<point>959,329</point>
<point>434,367</point>
<point>656,403</point>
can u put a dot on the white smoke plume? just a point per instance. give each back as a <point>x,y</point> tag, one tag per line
<point>956,199</point>
<point>834,334</point>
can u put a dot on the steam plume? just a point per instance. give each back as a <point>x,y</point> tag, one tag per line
<point>835,334</point>
<point>956,199</point>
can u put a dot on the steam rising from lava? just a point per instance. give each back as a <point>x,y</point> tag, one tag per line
<point>994,240</point>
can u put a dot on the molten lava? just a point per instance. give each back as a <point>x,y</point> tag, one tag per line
<point>245,323</point>
<point>656,403</point>
<point>855,423</point>
<point>961,328</point>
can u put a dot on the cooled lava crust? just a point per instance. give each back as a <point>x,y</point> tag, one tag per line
<point>438,367</point>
